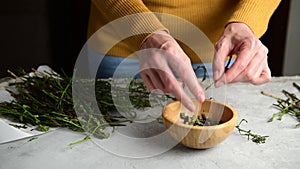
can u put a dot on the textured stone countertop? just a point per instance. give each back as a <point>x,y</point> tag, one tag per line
<point>281,150</point>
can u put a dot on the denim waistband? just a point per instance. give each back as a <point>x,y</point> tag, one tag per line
<point>112,66</point>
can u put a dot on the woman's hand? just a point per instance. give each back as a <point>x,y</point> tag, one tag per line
<point>251,63</point>
<point>162,58</point>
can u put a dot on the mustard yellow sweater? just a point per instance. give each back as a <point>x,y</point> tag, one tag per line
<point>210,16</point>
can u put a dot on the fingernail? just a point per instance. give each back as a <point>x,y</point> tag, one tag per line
<point>217,75</point>
<point>219,83</point>
<point>200,97</point>
<point>191,107</point>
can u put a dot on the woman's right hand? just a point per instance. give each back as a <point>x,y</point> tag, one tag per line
<point>158,65</point>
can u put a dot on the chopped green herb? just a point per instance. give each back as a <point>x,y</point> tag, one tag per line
<point>23,126</point>
<point>71,145</point>
<point>199,120</point>
<point>32,138</point>
<point>43,128</point>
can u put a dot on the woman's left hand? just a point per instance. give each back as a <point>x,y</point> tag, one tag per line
<point>251,64</point>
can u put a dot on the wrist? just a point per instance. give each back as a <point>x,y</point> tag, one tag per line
<point>237,25</point>
<point>161,32</point>
<point>152,35</point>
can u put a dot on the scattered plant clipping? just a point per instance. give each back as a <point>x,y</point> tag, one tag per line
<point>254,137</point>
<point>286,106</point>
<point>201,120</point>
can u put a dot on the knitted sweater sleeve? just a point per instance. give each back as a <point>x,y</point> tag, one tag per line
<point>114,9</point>
<point>255,13</point>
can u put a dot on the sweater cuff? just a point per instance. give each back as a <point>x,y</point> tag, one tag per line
<point>253,13</point>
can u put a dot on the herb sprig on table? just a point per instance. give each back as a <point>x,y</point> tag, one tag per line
<point>256,138</point>
<point>45,100</point>
<point>202,120</point>
<point>287,106</point>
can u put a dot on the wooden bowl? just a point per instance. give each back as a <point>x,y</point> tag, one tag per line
<point>200,137</point>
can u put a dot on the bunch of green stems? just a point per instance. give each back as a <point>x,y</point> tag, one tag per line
<point>287,106</point>
<point>45,100</point>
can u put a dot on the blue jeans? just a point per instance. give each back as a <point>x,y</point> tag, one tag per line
<point>112,66</point>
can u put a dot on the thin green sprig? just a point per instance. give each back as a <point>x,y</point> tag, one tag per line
<point>254,137</point>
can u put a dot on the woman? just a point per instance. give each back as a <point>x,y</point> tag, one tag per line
<point>234,26</point>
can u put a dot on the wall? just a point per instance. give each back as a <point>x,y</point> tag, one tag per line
<point>291,64</point>
<point>275,37</point>
<point>35,32</point>
<point>24,34</point>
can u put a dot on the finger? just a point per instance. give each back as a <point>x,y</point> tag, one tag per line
<point>149,72</point>
<point>243,59</point>
<point>176,90</point>
<point>186,73</point>
<point>147,81</point>
<point>252,72</point>
<point>222,51</point>
<point>185,99</point>
<point>167,78</point>
<point>264,77</point>
<point>173,86</point>
<point>155,79</point>
<point>181,84</point>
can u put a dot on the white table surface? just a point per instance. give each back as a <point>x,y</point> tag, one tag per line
<point>281,150</point>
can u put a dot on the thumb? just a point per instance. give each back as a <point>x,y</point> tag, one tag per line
<point>219,61</point>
